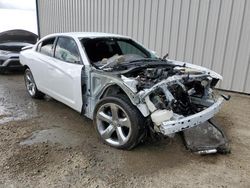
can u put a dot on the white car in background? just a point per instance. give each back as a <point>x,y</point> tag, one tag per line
<point>121,85</point>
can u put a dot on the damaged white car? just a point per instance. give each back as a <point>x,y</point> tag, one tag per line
<point>121,85</point>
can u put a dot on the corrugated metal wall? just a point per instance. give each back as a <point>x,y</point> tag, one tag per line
<point>211,33</point>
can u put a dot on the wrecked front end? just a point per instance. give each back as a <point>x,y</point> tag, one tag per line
<point>176,96</point>
<point>177,103</point>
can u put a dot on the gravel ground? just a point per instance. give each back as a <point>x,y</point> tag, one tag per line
<point>43,143</point>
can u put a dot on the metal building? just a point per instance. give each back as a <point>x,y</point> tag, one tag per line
<point>211,33</point>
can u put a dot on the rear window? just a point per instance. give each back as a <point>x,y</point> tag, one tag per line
<point>46,46</point>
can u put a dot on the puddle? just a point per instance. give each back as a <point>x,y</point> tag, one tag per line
<point>16,112</point>
<point>15,104</point>
<point>55,135</point>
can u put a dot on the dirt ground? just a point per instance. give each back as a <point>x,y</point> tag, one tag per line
<point>43,143</point>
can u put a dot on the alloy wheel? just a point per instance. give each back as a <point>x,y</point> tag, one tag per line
<point>113,124</point>
<point>30,83</point>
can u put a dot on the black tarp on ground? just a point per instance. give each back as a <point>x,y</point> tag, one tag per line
<point>206,138</point>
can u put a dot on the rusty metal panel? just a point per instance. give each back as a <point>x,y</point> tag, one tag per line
<point>211,33</point>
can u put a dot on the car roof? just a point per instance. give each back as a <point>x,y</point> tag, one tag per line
<point>87,35</point>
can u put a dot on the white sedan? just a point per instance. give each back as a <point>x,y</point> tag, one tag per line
<point>121,85</point>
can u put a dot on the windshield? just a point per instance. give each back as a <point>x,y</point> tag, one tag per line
<point>98,49</point>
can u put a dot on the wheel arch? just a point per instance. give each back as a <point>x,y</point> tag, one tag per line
<point>26,67</point>
<point>115,89</point>
<point>112,89</point>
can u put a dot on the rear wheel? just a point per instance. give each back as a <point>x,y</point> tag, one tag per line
<point>31,85</point>
<point>118,122</point>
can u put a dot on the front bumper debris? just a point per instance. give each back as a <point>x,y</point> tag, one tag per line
<point>183,123</point>
<point>208,138</point>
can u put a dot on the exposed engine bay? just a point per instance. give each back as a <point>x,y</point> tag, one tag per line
<point>189,90</point>
<point>181,91</point>
<point>177,96</point>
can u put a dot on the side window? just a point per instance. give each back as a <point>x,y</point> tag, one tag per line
<point>128,48</point>
<point>46,47</point>
<point>67,50</point>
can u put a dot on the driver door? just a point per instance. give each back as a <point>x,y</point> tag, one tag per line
<point>65,73</point>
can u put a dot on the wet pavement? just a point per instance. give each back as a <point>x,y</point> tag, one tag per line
<point>45,143</point>
<point>11,107</point>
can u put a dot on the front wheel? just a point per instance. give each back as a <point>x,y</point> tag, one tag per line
<point>31,85</point>
<point>118,122</point>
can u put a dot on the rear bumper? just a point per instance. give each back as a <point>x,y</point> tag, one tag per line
<point>173,126</point>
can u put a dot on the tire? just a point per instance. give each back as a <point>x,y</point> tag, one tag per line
<point>31,85</point>
<point>125,128</point>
